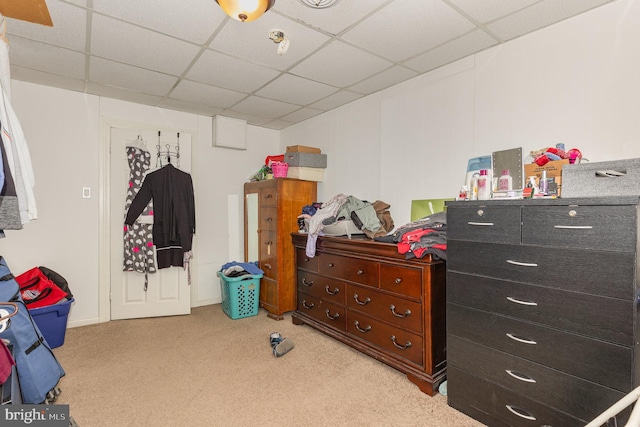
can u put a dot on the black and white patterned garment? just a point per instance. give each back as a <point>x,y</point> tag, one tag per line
<point>138,240</point>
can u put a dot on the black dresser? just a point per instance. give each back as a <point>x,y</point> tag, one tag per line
<point>542,309</point>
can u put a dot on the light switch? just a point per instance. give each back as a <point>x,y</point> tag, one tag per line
<point>86,192</point>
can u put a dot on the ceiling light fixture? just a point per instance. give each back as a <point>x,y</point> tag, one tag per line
<point>319,4</point>
<point>245,10</point>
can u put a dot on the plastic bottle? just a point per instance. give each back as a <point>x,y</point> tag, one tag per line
<point>484,186</point>
<point>505,182</point>
<point>473,189</point>
<point>544,183</point>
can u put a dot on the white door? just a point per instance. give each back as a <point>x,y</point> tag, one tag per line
<point>168,292</point>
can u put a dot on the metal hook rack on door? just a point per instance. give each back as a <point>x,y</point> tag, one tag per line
<point>167,153</point>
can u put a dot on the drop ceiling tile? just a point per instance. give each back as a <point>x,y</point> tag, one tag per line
<point>540,15</point>
<point>169,17</point>
<point>335,100</point>
<point>211,96</point>
<point>188,107</point>
<point>32,54</point>
<point>334,19</point>
<point>277,124</point>
<point>301,115</point>
<point>393,30</point>
<point>341,65</point>
<point>122,42</point>
<point>122,94</point>
<point>264,107</point>
<point>250,118</point>
<point>69,27</point>
<point>218,69</point>
<point>296,90</point>
<point>46,79</point>
<point>488,10</point>
<point>456,49</point>
<point>389,77</point>
<point>124,76</point>
<point>251,41</point>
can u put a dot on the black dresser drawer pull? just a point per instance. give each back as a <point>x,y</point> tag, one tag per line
<point>309,283</point>
<point>520,376</point>
<point>366,301</point>
<point>521,412</point>
<point>309,306</point>
<point>334,317</point>
<point>522,264</point>
<point>335,290</point>
<point>365,330</point>
<point>574,227</point>
<point>480,223</point>
<point>519,339</point>
<point>519,301</point>
<point>392,307</point>
<point>402,347</point>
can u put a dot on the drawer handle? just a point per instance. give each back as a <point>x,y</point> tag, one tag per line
<point>335,290</point>
<point>574,227</point>
<point>365,330</point>
<point>268,196</point>
<point>334,317</point>
<point>307,306</point>
<point>267,266</point>
<point>366,301</point>
<point>521,413</point>
<point>268,219</point>
<point>309,283</point>
<point>481,224</point>
<point>360,272</point>
<point>522,340</point>
<point>407,312</point>
<point>330,265</point>
<point>519,301</point>
<point>268,243</point>
<point>398,280</point>
<point>522,264</point>
<point>307,260</point>
<point>402,347</point>
<point>520,376</point>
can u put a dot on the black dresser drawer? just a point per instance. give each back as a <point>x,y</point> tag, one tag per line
<point>607,228</point>
<point>468,391</point>
<point>610,274</point>
<point>570,311</point>
<point>597,361</point>
<point>567,393</point>
<point>498,224</point>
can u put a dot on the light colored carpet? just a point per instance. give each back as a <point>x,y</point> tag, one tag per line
<point>206,369</point>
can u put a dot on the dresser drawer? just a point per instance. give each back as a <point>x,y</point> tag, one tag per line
<point>269,254</point>
<point>401,280</point>
<point>603,363</point>
<point>570,311</point>
<point>269,196</point>
<point>610,274</point>
<point>269,219</point>
<point>609,228</point>
<point>323,311</point>
<point>331,290</point>
<point>352,269</point>
<point>566,393</point>
<point>468,391</point>
<point>304,262</point>
<point>402,343</point>
<point>498,224</point>
<point>400,312</point>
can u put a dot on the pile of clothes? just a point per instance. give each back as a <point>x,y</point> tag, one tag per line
<point>427,235</point>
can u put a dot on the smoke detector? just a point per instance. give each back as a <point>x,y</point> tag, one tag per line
<point>277,36</point>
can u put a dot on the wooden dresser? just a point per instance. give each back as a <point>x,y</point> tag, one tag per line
<point>279,202</point>
<point>542,314</point>
<point>367,295</point>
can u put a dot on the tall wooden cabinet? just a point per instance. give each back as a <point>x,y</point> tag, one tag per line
<point>542,309</point>
<point>271,210</point>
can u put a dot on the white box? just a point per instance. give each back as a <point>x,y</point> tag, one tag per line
<point>307,174</point>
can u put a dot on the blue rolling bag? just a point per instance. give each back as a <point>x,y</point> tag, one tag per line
<point>38,369</point>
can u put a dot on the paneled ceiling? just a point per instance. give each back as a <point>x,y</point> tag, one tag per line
<point>189,56</point>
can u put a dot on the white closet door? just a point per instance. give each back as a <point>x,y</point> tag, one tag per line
<point>168,292</point>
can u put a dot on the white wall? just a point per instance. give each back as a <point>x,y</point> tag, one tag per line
<point>574,82</point>
<point>63,130</point>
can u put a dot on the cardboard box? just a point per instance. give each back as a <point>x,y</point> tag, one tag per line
<point>307,174</point>
<point>598,179</point>
<point>554,170</point>
<point>302,149</point>
<point>309,160</point>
